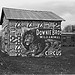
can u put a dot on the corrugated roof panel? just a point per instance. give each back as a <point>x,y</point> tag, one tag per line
<point>51,17</point>
<point>42,15</point>
<point>16,14</point>
<point>30,14</point>
<point>20,14</point>
<point>55,16</point>
<point>25,15</point>
<point>37,15</point>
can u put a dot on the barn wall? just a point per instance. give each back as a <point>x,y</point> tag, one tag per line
<point>5,34</point>
<point>5,22</point>
<point>17,28</point>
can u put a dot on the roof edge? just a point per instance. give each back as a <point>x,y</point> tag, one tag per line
<point>61,19</point>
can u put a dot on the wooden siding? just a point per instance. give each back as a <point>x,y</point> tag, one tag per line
<point>17,28</point>
<point>5,34</point>
<point>14,31</point>
<point>5,22</point>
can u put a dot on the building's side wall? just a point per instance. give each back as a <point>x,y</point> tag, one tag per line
<point>5,22</point>
<point>17,28</point>
<point>5,34</point>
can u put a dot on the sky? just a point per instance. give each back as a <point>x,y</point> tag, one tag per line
<point>63,8</point>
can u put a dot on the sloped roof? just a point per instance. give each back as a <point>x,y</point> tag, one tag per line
<point>20,14</point>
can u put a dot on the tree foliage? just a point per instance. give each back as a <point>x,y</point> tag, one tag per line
<point>69,28</point>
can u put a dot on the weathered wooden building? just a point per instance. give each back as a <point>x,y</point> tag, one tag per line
<point>67,42</point>
<point>68,39</point>
<point>16,22</point>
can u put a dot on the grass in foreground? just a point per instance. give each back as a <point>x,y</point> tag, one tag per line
<point>31,65</point>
